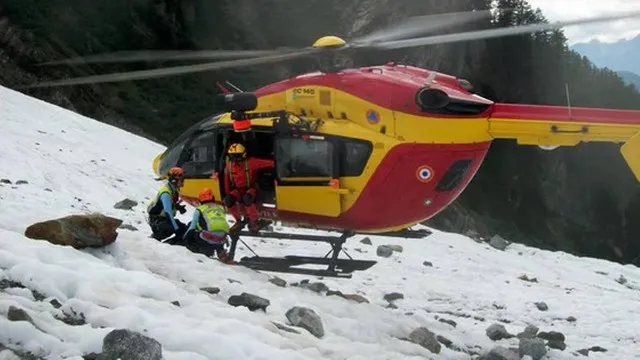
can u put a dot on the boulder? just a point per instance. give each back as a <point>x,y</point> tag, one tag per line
<point>78,231</point>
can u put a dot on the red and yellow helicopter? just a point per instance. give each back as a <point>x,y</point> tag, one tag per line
<point>374,149</point>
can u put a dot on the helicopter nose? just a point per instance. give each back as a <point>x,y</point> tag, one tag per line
<point>156,162</point>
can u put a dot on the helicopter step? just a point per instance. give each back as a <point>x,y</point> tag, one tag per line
<point>335,267</point>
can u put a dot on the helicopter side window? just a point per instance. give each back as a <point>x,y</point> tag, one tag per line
<point>200,155</point>
<point>354,156</point>
<point>304,158</point>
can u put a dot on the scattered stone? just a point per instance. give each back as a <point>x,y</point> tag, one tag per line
<point>17,314</point>
<point>447,321</point>
<point>210,289</point>
<point>55,303</point>
<point>551,336</point>
<point>278,282</point>
<point>353,297</point>
<point>560,345</point>
<point>396,248</point>
<point>597,349</point>
<point>129,345</point>
<point>384,251</point>
<point>22,182</point>
<point>78,231</point>
<point>497,332</point>
<point>425,338</point>
<point>126,204</point>
<point>253,302</point>
<point>427,263</point>
<point>366,241</point>
<point>5,181</point>
<point>47,189</point>
<point>231,281</point>
<point>584,352</point>
<point>532,347</point>
<point>530,332</point>
<point>285,328</point>
<point>7,284</point>
<point>621,280</point>
<point>392,306</point>
<point>444,341</point>
<point>128,227</point>
<point>318,287</point>
<point>572,319</point>
<point>307,319</point>
<point>73,318</point>
<point>526,278</point>
<point>501,353</point>
<point>393,296</point>
<point>542,306</point>
<point>176,303</point>
<point>91,356</point>
<point>497,242</point>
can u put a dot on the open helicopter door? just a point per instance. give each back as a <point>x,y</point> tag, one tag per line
<point>306,175</point>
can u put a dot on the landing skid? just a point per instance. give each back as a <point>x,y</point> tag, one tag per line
<point>341,268</point>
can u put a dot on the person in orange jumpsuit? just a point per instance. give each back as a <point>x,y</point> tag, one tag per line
<point>240,185</point>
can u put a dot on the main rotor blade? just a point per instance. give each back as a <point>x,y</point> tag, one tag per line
<point>500,32</point>
<point>421,25</point>
<point>162,55</point>
<point>176,70</point>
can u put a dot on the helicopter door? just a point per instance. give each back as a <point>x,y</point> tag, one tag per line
<point>305,166</point>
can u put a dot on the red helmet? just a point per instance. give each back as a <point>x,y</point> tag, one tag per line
<point>206,195</point>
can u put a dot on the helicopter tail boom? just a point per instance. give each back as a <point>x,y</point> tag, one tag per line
<point>553,126</point>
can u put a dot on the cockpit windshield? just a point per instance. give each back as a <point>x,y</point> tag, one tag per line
<point>171,155</point>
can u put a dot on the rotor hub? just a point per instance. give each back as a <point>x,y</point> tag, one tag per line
<point>329,42</point>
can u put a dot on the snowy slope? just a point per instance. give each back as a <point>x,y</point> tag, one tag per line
<point>76,165</point>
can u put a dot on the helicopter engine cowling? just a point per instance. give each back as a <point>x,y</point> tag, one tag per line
<point>430,98</point>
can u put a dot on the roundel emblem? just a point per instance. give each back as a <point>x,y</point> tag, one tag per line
<point>373,117</point>
<point>424,173</point>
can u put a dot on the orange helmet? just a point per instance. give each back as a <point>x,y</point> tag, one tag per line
<point>175,175</point>
<point>206,195</point>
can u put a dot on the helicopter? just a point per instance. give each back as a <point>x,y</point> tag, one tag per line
<point>345,140</point>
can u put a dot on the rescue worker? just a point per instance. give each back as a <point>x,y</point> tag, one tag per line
<point>240,185</point>
<point>162,210</point>
<point>207,232</point>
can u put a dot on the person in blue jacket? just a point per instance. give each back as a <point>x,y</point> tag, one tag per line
<point>162,210</point>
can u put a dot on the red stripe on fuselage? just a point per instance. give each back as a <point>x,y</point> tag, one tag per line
<point>565,114</point>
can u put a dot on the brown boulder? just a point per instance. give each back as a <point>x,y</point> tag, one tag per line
<point>79,231</point>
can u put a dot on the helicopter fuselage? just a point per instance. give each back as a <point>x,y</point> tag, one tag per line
<point>422,138</point>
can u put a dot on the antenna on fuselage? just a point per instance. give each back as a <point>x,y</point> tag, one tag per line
<point>566,89</point>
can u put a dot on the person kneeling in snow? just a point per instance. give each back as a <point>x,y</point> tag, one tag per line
<point>162,210</point>
<point>207,231</point>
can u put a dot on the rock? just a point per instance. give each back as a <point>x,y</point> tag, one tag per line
<point>497,332</point>
<point>551,336</point>
<point>366,241</point>
<point>253,302</point>
<point>447,321</point>
<point>393,296</point>
<point>425,338</point>
<point>17,314</point>
<point>126,204</point>
<point>384,251</point>
<point>307,319</point>
<point>524,277</point>
<point>529,332</point>
<point>542,306</point>
<point>444,341</point>
<point>532,347</point>
<point>497,242</point>
<point>211,290</point>
<point>353,297</point>
<point>317,287</point>
<point>129,345</point>
<point>22,182</point>
<point>553,344</point>
<point>572,319</point>
<point>5,181</point>
<point>597,349</point>
<point>396,248</point>
<point>501,353</point>
<point>128,227</point>
<point>91,356</point>
<point>278,282</point>
<point>427,263</point>
<point>55,303</point>
<point>584,352</point>
<point>78,231</point>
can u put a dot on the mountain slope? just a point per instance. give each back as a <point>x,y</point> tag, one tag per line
<point>630,78</point>
<point>75,165</point>
<point>619,56</point>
